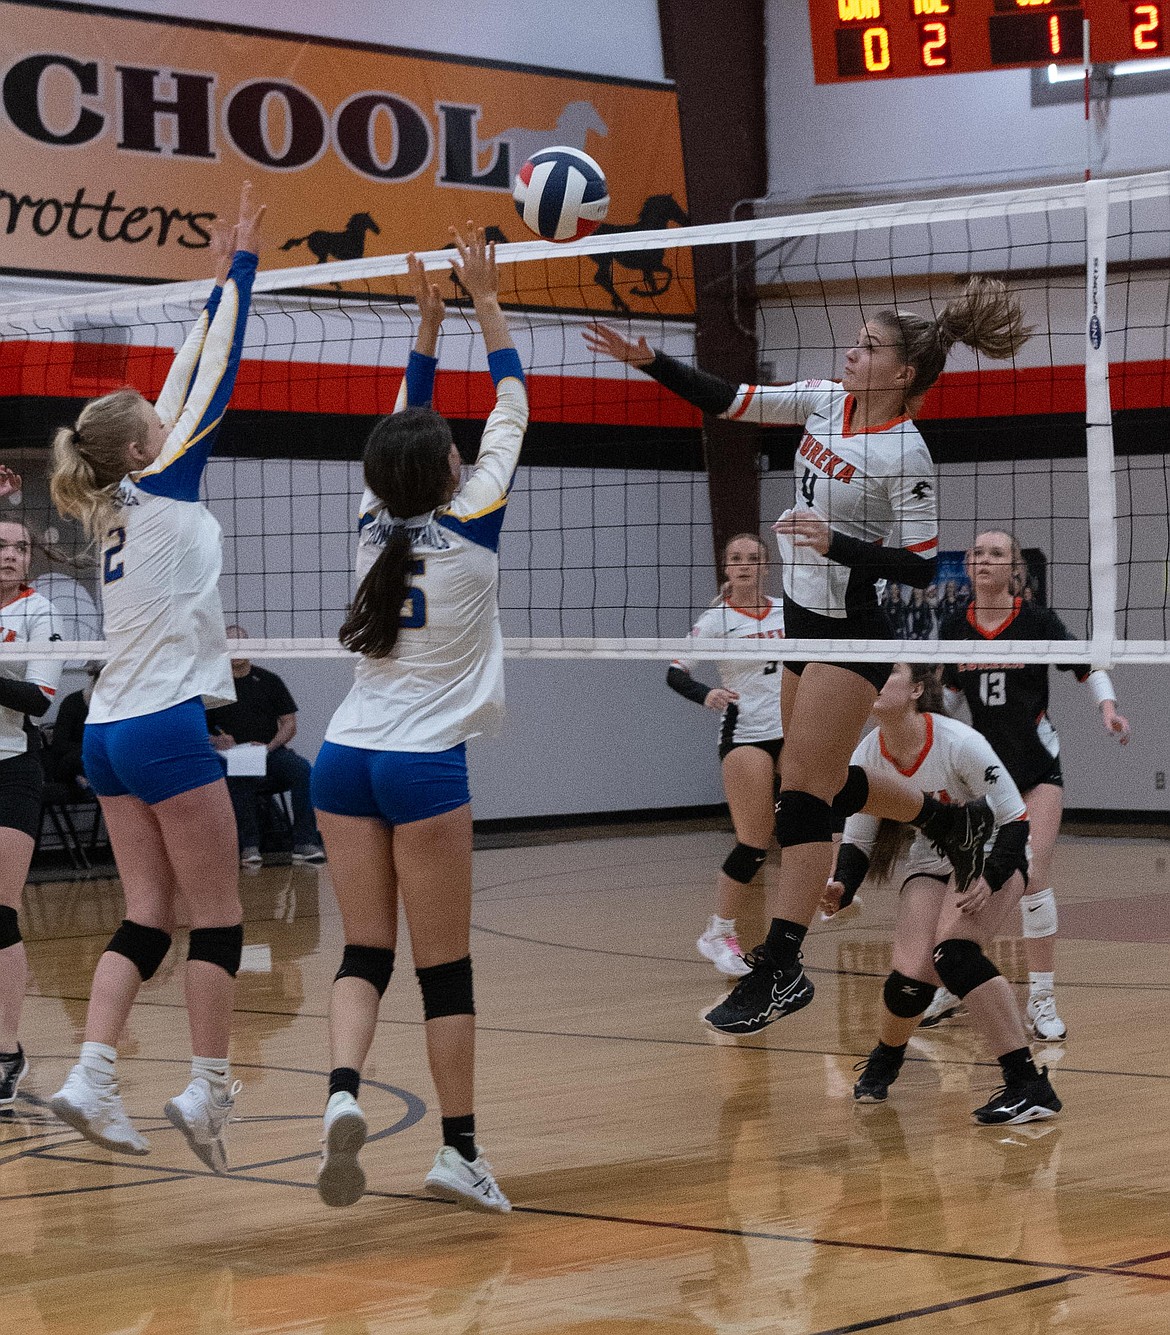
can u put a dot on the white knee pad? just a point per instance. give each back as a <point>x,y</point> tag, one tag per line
<point>1038,913</point>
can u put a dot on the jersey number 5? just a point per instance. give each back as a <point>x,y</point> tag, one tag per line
<point>111,569</point>
<point>993,688</point>
<point>414,605</point>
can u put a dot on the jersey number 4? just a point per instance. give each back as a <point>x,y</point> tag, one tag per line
<point>414,605</point>
<point>808,486</point>
<point>112,568</point>
<point>993,688</point>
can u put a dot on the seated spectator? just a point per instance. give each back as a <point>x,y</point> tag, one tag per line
<point>62,758</point>
<point>265,713</point>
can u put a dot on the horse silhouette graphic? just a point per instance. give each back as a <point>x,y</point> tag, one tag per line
<point>348,244</point>
<point>573,125</point>
<point>658,211</point>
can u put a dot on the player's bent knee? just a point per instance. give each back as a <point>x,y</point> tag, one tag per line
<point>223,946</point>
<point>144,947</point>
<point>9,927</point>
<point>1038,913</point>
<point>743,862</point>
<point>962,966</point>
<point>802,818</point>
<point>447,989</point>
<point>906,997</point>
<point>375,964</point>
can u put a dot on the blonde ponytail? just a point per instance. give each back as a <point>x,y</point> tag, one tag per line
<point>89,459</point>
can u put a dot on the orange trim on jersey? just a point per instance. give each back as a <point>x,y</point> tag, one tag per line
<point>26,591</point>
<point>743,407</point>
<point>921,755</point>
<point>1017,603</point>
<point>847,428</point>
<point>923,546</point>
<point>755,616</point>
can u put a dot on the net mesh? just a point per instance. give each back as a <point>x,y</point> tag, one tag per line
<point>607,548</point>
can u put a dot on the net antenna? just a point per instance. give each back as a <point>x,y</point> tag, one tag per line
<point>606,546</point>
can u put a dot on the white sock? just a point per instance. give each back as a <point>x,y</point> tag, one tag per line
<point>215,1070</point>
<point>97,1060</point>
<point>722,926</point>
<point>1041,984</point>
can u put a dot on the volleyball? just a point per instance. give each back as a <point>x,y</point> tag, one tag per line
<point>561,194</point>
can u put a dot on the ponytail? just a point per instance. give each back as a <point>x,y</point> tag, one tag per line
<point>89,459</point>
<point>376,613</point>
<point>985,316</point>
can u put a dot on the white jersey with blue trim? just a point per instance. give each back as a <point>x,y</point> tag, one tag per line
<point>755,716</point>
<point>877,484</point>
<point>956,764</point>
<point>162,554</point>
<point>444,681</point>
<point>28,618</point>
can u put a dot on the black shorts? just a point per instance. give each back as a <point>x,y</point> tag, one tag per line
<point>867,624</point>
<point>1053,775</point>
<point>21,783</point>
<point>773,746</point>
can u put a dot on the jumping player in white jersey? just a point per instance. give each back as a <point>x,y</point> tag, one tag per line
<point>390,782</point>
<point>941,934</point>
<point>750,738</point>
<point>1009,706</point>
<point>865,511</point>
<point>131,473</point>
<point>27,689</point>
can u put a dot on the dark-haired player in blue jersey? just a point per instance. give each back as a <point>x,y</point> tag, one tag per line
<point>131,472</point>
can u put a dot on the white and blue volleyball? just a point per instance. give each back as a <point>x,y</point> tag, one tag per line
<point>561,194</point>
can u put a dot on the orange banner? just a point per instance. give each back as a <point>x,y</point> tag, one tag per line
<point>123,138</point>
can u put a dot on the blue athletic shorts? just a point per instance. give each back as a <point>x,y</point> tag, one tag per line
<point>394,786</point>
<point>153,757</point>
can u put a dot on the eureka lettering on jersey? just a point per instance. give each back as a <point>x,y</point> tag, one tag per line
<point>876,484</point>
<point>755,716</point>
<point>27,618</point>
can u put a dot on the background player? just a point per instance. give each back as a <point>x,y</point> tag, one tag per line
<point>750,737</point>
<point>940,934</point>
<point>1009,706</point>
<point>26,692</point>
<point>390,782</point>
<point>865,511</point>
<point>131,473</point>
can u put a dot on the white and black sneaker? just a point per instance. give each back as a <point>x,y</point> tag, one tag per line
<point>1043,1020</point>
<point>465,1182</point>
<point>944,1005</point>
<point>763,995</point>
<point>12,1072</point>
<point>1028,1101</point>
<point>340,1178</point>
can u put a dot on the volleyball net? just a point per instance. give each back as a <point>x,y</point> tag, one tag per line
<point>607,547</point>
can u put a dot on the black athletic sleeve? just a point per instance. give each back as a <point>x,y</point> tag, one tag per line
<point>1008,854</point>
<point>878,562</point>
<point>678,679</point>
<point>23,696</point>
<point>707,392</point>
<point>852,865</point>
<point>1057,630</point>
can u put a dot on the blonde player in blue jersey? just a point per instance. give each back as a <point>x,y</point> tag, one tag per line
<point>750,737</point>
<point>27,689</point>
<point>131,473</point>
<point>390,782</point>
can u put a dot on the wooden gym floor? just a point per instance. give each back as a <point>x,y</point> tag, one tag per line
<point>663,1180</point>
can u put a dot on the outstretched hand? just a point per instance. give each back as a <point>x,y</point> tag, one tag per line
<point>425,292</point>
<point>10,483</point>
<point>608,342</point>
<point>476,266</point>
<point>248,224</point>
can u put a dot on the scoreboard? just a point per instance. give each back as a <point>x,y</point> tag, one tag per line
<point>895,39</point>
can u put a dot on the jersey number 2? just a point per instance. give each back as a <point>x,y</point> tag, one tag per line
<point>414,605</point>
<point>111,569</point>
<point>993,688</point>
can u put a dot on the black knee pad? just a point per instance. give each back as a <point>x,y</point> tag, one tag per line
<point>906,997</point>
<point>802,818</point>
<point>9,927</point>
<point>853,796</point>
<point>446,989</point>
<point>962,966</point>
<point>373,963</point>
<point>144,947</point>
<point>218,945</point>
<point>743,862</point>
